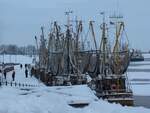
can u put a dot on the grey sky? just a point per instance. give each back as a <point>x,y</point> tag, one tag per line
<point>20,20</point>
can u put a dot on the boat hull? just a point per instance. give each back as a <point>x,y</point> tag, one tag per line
<point>123,101</point>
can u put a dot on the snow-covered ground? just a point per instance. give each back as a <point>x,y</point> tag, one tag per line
<point>20,73</point>
<point>43,99</point>
<point>56,99</point>
<point>16,59</point>
<point>20,77</point>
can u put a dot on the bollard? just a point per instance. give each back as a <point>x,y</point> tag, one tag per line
<point>19,84</point>
<point>11,83</point>
<point>6,83</point>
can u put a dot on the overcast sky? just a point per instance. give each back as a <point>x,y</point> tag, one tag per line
<point>20,20</point>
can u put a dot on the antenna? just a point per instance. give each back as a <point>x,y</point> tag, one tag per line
<point>68,17</point>
<point>117,6</point>
<point>103,14</point>
<point>116,16</point>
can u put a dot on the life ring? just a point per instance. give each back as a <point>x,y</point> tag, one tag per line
<point>113,87</point>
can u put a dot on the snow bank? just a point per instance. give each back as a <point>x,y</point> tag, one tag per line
<point>55,100</point>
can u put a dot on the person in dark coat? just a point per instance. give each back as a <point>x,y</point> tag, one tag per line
<point>26,73</point>
<point>21,66</point>
<point>32,71</point>
<point>5,74</point>
<point>25,66</point>
<point>13,75</point>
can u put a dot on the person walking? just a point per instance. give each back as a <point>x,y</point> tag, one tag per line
<point>25,66</point>
<point>21,66</point>
<point>5,74</point>
<point>32,71</point>
<point>26,73</point>
<point>13,76</point>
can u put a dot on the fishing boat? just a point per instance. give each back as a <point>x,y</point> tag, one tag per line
<point>111,83</point>
<point>60,62</point>
<point>137,56</point>
<point>63,60</point>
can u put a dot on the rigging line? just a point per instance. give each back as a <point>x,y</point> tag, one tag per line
<point>86,35</point>
<point>88,64</point>
<point>126,36</point>
<point>74,65</point>
<point>93,34</point>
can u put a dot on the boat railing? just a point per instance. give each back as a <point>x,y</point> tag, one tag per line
<point>113,94</point>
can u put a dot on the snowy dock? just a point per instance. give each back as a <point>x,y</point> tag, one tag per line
<point>43,99</point>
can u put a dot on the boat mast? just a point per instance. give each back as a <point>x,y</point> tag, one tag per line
<point>37,47</point>
<point>68,35</point>
<point>103,47</point>
<point>78,31</point>
<point>43,49</point>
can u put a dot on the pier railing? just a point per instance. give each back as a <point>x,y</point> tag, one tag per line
<point>17,84</point>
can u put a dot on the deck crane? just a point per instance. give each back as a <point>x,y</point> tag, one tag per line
<point>93,33</point>
<point>79,30</point>
<point>119,54</point>
<point>57,33</point>
<point>119,29</point>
